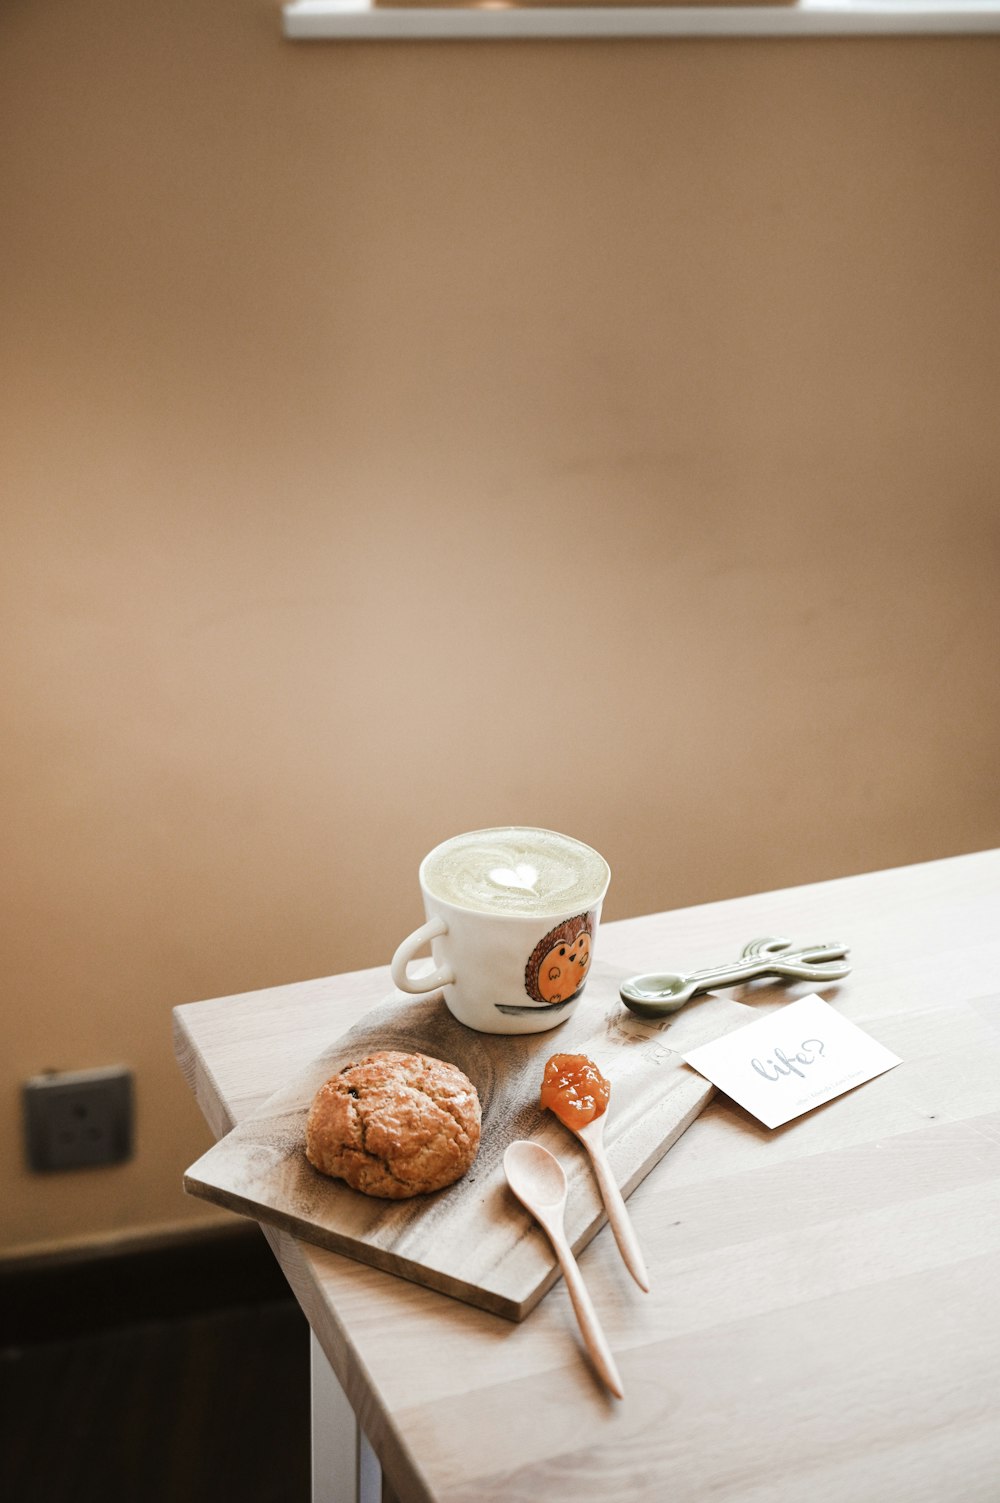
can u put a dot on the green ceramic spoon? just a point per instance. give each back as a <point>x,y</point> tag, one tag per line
<point>661,993</point>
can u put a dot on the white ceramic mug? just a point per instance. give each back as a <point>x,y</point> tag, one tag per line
<point>503,969</point>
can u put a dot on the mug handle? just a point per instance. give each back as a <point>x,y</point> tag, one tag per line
<point>442,976</point>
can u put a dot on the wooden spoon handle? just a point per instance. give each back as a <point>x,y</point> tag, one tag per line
<point>618,1216</point>
<point>590,1327</point>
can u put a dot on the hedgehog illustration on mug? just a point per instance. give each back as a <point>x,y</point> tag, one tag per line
<point>558,966</point>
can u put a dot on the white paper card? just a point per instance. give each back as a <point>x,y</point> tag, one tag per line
<point>791,1060</point>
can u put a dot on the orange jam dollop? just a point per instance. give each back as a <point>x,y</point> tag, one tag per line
<point>574,1089</point>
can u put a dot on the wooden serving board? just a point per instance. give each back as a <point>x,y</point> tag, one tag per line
<point>473,1240</point>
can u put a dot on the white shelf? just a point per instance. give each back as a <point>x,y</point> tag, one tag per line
<point>317,20</point>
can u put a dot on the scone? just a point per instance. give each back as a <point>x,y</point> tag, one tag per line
<point>395,1125</point>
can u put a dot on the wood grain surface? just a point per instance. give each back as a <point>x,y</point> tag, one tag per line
<point>473,1240</point>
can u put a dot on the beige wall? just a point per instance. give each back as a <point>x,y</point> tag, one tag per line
<point>399,439</point>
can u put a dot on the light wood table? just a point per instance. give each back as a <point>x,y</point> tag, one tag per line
<point>824,1321</point>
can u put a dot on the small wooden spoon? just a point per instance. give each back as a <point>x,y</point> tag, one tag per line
<point>591,1135</point>
<point>537,1179</point>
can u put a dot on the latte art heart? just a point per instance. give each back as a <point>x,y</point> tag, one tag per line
<point>524,877</point>
<point>516,869</point>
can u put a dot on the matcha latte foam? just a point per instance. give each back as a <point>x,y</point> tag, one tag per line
<point>516,870</point>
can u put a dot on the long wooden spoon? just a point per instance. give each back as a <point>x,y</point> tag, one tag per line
<point>591,1135</point>
<point>537,1179</point>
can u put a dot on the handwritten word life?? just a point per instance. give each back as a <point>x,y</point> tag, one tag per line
<point>781,1064</point>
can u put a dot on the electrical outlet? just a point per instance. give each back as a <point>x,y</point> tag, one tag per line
<point>77,1119</point>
